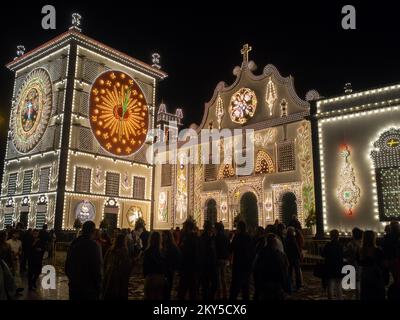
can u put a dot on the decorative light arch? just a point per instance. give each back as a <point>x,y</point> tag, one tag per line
<point>264,163</point>
<point>226,171</point>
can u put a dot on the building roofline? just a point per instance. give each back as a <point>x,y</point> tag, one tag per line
<point>74,34</point>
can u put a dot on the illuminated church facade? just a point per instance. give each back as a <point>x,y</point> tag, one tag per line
<point>281,182</point>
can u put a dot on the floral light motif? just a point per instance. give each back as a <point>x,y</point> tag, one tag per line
<point>264,138</point>
<point>182,189</point>
<point>162,207</point>
<point>219,111</point>
<point>271,96</point>
<point>133,214</point>
<point>98,176</point>
<point>348,192</point>
<point>243,105</point>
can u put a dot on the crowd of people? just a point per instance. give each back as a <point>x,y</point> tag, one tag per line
<point>190,262</point>
<point>21,256</point>
<point>194,264</point>
<point>376,265</point>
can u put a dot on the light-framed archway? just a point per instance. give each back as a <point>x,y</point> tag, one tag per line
<point>239,187</point>
<point>279,190</point>
<point>205,197</point>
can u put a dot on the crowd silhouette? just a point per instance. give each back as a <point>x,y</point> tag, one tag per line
<point>207,264</point>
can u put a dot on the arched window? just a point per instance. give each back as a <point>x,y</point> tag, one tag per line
<point>264,163</point>
<point>386,160</point>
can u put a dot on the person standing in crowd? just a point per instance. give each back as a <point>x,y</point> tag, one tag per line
<point>105,242</point>
<point>333,254</point>
<point>177,235</point>
<point>8,288</point>
<point>173,260</point>
<point>208,258</point>
<point>154,269</point>
<point>281,236</point>
<point>83,265</point>
<point>5,251</point>
<point>259,244</point>
<point>117,269</point>
<point>352,255</point>
<point>373,272</point>
<point>222,248</point>
<point>293,253</point>
<point>271,268</point>
<point>391,243</point>
<point>189,273</point>
<point>52,243</point>
<point>243,255</point>
<point>16,249</point>
<point>295,223</point>
<point>27,240</point>
<point>35,260</point>
<point>44,237</point>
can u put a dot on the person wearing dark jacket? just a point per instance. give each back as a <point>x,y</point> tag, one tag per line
<point>208,268</point>
<point>243,255</point>
<point>27,240</point>
<point>373,271</point>
<point>271,268</point>
<point>222,246</point>
<point>293,253</point>
<point>189,273</point>
<point>83,265</point>
<point>333,254</point>
<point>117,269</point>
<point>35,260</point>
<point>173,260</point>
<point>154,269</point>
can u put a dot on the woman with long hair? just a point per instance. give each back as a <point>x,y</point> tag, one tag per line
<point>154,269</point>
<point>372,268</point>
<point>173,259</point>
<point>117,268</point>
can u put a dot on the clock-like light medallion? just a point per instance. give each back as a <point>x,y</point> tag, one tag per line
<point>119,113</point>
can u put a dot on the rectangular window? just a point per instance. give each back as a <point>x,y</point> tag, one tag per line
<point>27,183</point>
<point>44,180</point>
<point>82,180</point>
<point>40,220</point>
<point>139,185</point>
<point>8,219</point>
<point>286,156</point>
<point>166,175</point>
<point>112,184</point>
<point>12,184</point>
<point>210,172</point>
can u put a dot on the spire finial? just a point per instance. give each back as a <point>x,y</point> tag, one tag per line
<point>76,22</point>
<point>245,52</point>
<point>155,59</point>
<point>20,51</point>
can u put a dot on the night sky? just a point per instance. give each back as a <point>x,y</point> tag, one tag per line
<point>200,43</point>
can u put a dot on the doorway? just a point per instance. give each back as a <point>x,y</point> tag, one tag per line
<point>249,210</point>
<point>289,207</point>
<point>211,211</point>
